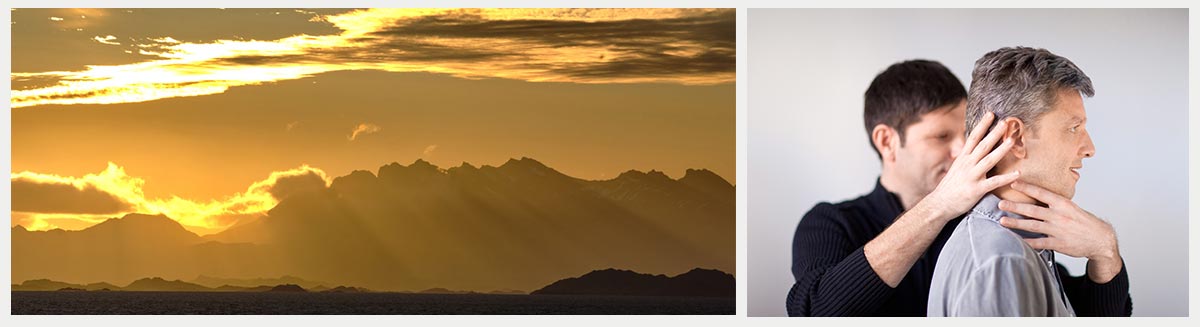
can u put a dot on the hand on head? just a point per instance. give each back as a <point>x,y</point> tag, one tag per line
<point>967,181</point>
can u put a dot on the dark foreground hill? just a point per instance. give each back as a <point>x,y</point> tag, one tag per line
<point>697,282</point>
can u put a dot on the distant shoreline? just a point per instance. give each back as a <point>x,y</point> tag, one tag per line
<point>385,292</point>
<point>391,303</point>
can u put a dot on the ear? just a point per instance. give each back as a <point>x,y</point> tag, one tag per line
<point>886,140</point>
<point>1016,132</point>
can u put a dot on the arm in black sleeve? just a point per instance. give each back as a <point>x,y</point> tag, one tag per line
<point>833,277</point>
<point>1089,299</point>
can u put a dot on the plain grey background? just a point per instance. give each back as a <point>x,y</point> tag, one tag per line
<point>808,69</point>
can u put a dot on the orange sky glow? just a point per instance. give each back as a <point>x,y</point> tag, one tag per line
<point>163,111</point>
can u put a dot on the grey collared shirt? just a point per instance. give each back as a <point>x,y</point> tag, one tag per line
<point>986,269</point>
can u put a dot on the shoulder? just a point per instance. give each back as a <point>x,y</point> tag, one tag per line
<point>823,211</point>
<point>989,242</point>
<point>826,217</point>
<point>838,213</point>
<point>823,216</point>
<point>993,238</point>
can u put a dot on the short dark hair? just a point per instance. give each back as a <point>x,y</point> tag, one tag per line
<point>906,90</point>
<point>1021,82</point>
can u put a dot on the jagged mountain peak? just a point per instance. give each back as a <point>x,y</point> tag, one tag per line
<point>465,167</point>
<point>705,179</point>
<point>651,176</point>
<point>419,169</point>
<point>141,217</point>
<point>357,175</point>
<point>159,223</point>
<point>355,180</point>
<point>700,173</point>
<point>525,162</point>
<point>526,166</point>
<point>422,164</point>
<point>658,174</point>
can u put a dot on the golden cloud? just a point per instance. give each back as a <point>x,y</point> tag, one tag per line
<point>108,39</point>
<point>680,46</point>
<point>197,216</point>
<point>364,128</point>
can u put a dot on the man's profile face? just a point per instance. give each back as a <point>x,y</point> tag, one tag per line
<point>930,146</point>
<point>1055,150</point>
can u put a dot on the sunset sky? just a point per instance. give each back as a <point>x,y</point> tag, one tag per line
<point>198,113</point>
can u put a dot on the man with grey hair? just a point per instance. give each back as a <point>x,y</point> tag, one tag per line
<point>999,261</point>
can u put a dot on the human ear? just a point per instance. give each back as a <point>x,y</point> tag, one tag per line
<point>1016,132</point>
<point>886,140</point>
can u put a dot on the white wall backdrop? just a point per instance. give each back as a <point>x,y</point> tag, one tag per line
<point>810,67</point>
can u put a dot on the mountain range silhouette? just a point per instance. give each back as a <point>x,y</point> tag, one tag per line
<point>521,225</point>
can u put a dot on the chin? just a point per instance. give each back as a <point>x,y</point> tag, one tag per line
<point>1068,193</point>
<point>1065,190</point>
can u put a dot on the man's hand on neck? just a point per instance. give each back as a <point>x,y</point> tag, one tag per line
<point>1009,194</point>
<point>1068,228</point>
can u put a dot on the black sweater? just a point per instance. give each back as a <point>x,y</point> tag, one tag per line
<point>833,277</point>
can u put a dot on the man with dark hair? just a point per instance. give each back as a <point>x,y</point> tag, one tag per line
<point>988,269</point>
<point>874,255</point>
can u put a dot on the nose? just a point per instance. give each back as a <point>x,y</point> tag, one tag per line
<point>1088,149</point>
<point>956,145</point>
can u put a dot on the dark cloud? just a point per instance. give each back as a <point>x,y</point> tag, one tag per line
<point>715,28</point>
<point>638,47</point>
<point>421,51</point>
<point>642,46</point>
<point>29,196</point>
<point>654,65</point>
<point>267,60</point>
<point>290,185</point>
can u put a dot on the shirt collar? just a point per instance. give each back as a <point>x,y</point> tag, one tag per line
<point>989,208</point>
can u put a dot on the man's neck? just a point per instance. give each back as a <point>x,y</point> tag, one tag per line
<point>907,197</point>
<point>1008,193</point>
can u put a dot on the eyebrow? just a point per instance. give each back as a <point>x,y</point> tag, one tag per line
<point>1076,119</point>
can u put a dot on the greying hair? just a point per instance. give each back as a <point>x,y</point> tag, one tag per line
<point>1021,82</point>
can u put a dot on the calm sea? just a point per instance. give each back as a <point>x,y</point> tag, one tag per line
<point>235,303</point>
